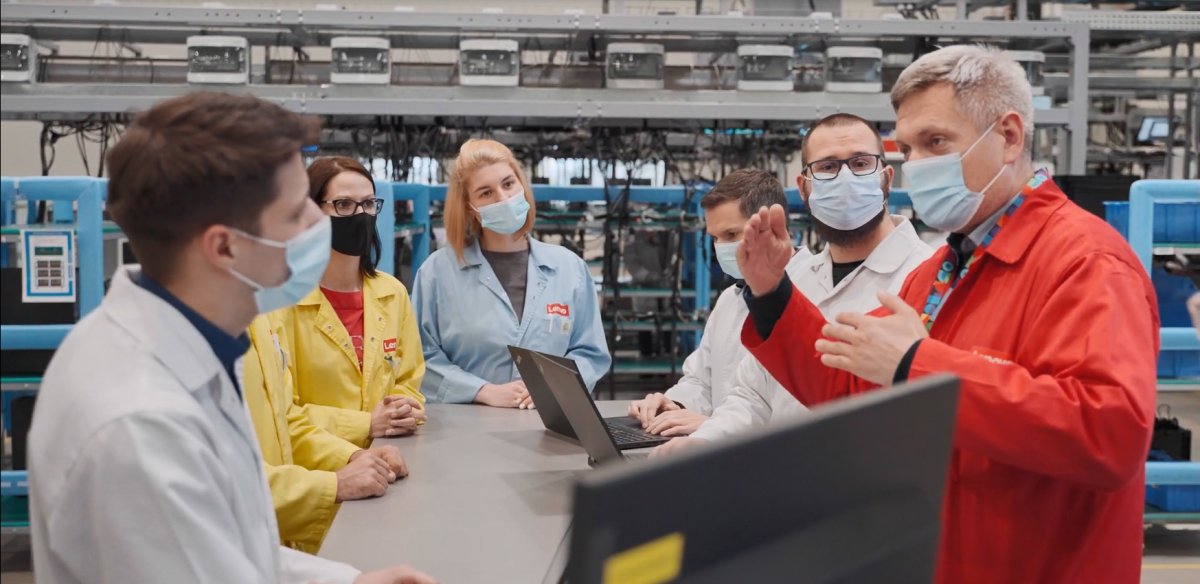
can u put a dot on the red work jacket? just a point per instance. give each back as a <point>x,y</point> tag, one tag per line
<point>1054,333</point>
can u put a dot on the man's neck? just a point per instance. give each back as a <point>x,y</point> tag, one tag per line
<point>1009,192</point>
<point>230,311</point>
<point>859,251</point>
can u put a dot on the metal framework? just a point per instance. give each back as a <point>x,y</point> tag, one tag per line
<point>423,30</point>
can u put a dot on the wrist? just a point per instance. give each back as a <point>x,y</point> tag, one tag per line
<point>355,454</point>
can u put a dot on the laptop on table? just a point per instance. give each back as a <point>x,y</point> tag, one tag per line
<point>566,407</point>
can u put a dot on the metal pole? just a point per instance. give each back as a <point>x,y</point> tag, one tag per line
<point>1022,9</point>
<point>1189,136</point>
<point>1078,94</point>
<point>1171,116</point>
<point>961,10</point>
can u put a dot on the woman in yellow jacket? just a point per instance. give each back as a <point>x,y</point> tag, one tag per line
<point>310,471</point>
<point>357,363</point>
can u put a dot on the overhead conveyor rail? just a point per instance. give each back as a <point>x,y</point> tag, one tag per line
<point>420,30</point>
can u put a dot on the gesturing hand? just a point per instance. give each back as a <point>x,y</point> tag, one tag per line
<point>872,347</point>
<point>394,416</point>
<point>508,395</point>
<point>765,250</point>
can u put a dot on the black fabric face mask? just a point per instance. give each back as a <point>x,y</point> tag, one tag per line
<point>353,235</point>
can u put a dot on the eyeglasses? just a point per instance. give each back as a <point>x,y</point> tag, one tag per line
<point>347,207</point>
<point>863,165</point>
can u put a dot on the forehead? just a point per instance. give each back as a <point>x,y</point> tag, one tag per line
<point>931,109</point>
<point>490,174</point>
<point>840,141</point>
<point>725,216</point>
<point>351,181</point>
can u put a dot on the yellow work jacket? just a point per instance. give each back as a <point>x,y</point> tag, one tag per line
<point>300,458</point>
<point>333,392</point>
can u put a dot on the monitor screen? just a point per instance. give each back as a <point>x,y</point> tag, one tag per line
<point>1154,128</point>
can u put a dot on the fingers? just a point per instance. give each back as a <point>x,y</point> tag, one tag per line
<point>521,384</point>
<point>828,347</point>
<point>635,409</point>
<point>527,403</point>
<point>650,408</point>
<point>895,303</point>
<point>778,222</point>
<point>404,411</point>
<point>837,362</point>
<point>681,430</point>
<point>662,422</point>
<point>853,319</point>
<point>841,332</point>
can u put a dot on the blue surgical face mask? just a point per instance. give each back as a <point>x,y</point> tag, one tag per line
<point>307,255</point>
<point>506,217</point>
<point>847,201</point>
<point>939,192</point>
<point>727,258</point>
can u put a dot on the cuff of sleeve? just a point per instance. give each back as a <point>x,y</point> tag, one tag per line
<point>355,428</point>
<point>766,310</point>
<point>343,451</point>
<point>904,368</point>
<point>460,388</point>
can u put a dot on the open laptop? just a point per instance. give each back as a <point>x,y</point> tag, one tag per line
<point>566,407</point>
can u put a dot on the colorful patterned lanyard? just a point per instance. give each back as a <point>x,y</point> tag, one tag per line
<point>946,281</point>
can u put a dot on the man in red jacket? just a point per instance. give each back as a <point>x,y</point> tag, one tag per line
<point>1040,308</point>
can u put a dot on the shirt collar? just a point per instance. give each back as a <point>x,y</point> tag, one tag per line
<point>976,236</point>
<point>226,347</point>
<point>890,254</point>
<point>1043,199</point>
<point>473,254</point>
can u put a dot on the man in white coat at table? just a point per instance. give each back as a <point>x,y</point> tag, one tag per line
<point>845,184</point>
<point>708,373</point>
<point>144,466</point>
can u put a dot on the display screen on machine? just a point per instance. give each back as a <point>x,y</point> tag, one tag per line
<point>217,59</point>
<point>854,69</point>
<point>360,60</point>
<point>14,57</point>
<point>635,66</point>
<point>497,63</point>
<point>766,68</point>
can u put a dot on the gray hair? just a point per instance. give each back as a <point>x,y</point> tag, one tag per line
<point>987,83</point>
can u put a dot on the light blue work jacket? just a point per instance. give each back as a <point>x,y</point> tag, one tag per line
<point>467,320</point>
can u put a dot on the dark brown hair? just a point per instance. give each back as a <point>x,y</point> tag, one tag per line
<point>753,189</point>
<point>320,172</point>
<point>838,121</point>
<point>196,161</point>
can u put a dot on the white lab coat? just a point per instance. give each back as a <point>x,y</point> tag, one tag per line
<point>756,399</point>
<point>144,465</point>
<point>709,372</point>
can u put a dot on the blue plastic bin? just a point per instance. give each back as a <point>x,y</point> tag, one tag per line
<point>1173,293</point>
<point>1174,221</point>
<point>1174,498</point>
<point>1178,364</point>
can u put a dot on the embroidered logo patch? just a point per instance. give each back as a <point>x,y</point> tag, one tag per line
<point>993,356</point>
<point>389,346</point>
<point>559,309</point>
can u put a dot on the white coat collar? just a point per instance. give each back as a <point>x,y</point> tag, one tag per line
<point>162,330</point>
<point>888,256</point>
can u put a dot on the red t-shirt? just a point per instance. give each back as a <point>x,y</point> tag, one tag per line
<point>349,308</point>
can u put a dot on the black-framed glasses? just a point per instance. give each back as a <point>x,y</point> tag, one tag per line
<point>347,207</point>
<point>828,169</point>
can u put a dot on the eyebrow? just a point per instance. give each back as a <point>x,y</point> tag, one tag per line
<point>490,186</point>
<point>856,153</point>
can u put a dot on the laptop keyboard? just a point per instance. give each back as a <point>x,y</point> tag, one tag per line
<point>623,435</point>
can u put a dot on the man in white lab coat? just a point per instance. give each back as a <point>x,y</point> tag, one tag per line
<point>708,373</point>
<point>144,466</point>
<point>845,184</point>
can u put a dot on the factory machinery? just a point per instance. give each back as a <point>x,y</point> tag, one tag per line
<point>623,121</point>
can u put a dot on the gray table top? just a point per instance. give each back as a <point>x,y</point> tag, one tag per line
<point>487,499</point>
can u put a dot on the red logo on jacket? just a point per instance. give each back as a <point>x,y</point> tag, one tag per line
<point>389,346</point>
<point>559,309</point>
